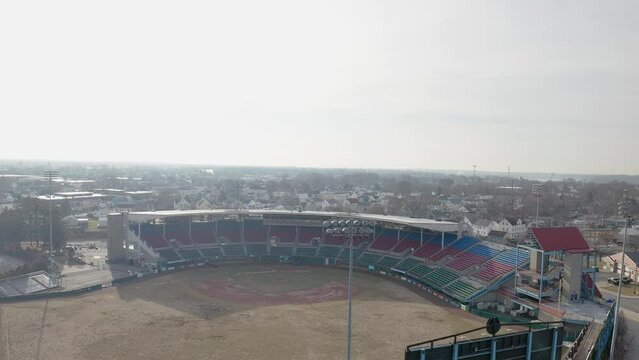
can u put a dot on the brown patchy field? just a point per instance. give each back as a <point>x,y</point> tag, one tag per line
<point>256,311</point>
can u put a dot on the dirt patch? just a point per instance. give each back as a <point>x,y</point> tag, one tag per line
<point>232,312</point>
<point>229,290</point>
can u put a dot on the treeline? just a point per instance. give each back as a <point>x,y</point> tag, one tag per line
<point>28,224</point>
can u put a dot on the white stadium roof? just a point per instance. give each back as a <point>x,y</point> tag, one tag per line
<point>430,224</point>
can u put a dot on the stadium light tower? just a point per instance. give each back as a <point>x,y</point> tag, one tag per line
<point>536,190</point>
<point>49,175</point>
<point>350,229</point>
<point>624,211</point>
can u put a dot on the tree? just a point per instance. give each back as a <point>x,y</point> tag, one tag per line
<point>624,338</point>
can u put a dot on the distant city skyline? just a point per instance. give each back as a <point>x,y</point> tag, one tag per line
<point>541,86</point>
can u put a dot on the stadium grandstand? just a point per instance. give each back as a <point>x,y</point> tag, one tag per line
<point>434,254</point>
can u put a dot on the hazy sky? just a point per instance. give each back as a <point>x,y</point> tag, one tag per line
<point>550,86</point>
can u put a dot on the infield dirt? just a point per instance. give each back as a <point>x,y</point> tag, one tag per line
<point>253,311</point>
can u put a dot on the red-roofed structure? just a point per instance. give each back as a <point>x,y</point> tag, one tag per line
<point>567,239</point>
<point>560,258</point>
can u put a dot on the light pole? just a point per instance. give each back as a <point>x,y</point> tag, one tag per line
<point>624,211</point>
<point>349,229</point>
<point>49,175</point>
<point>536,189</point>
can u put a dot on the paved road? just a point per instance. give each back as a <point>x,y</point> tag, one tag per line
<point>630,310</point>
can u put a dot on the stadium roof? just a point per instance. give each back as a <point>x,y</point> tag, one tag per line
<point>567,239</point>
<point>430,224</point>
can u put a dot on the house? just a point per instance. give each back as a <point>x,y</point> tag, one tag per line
<point>482,227</point>
<point>515,228</point>
<point>612,263</point>
<point>182,205</point>
<point>203,204</point>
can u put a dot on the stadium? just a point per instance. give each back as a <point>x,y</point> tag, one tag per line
<point>272,284</point>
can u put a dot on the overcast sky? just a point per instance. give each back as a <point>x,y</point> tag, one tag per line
<point>549,86</point>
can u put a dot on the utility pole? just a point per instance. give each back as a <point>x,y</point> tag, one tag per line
<point>49,175</point>
<point>536,189</point>
<point>624,211</point>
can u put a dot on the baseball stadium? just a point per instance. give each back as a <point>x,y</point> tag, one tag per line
<point>267,284</point>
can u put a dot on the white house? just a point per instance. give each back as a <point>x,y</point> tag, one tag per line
<point>482,227</point>
<point>514,228</point>
<point>203,204</point>
<point>182,205</point>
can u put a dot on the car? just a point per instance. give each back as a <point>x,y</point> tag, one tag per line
<point>615,280</point>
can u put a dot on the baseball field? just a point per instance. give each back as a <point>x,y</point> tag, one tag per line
<point>254,311</point>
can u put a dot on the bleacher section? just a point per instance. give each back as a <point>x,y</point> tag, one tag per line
<point>329,251</point>
<point>456,247</point>
<point>233,250</point>
<point>283,233</point>
<point>368,259</point>
<point>385,241</point>
<point>460,269</point>
<point>357,252</point>
<point>461,289</point>
<point>476,255</point>
<point>420,271</point>
<point>388,262</point>
<point>307,234</point>
<point>169,255</point>
<point>256,249</point>
<point>152,235</point>
<point>212,252</point>
<point>306,251</point>
<point>229,229</point>
<point>202,232</point>
<point>282,250</point>
<point>407,264</point>
<point>440,277</point>
<point>410,240</point>
<point>254,231</point>
<point>434,245</point>
<point>177,232</point>
<point>190,254</point>
<point>502,264</point>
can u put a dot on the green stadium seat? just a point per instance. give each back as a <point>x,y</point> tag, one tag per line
<point>234,250</point>
<point>368,258</point>
<point>388,262</point>
<point>190,254</point>
<point>440,277</point>
<point>282,250</point>
<point>407,264</point>
<point>329,251</point>
<point>304,251</point>
<point>170,255</point>
<point>211,252</point>
<point>256,249</point>
<point>461,289</point>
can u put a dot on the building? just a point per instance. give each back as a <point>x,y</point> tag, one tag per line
<point>561,264</point>
<point>513,227</point>
<point>482,227</point>
<point>612,263</point>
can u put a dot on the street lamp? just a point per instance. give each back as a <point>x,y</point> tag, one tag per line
<point>350,229</point>
<point>624,211</point>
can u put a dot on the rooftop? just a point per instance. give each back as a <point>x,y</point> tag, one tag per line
<point>429,224</point>
<point>567,239</point>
